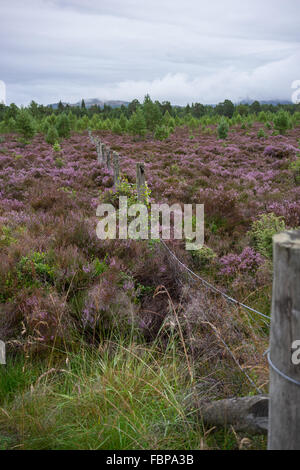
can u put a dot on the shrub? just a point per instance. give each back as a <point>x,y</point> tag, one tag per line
<point>161,132</point>
<point>63,126</point>
<point>295,167</point>
<point>116,128</point>
<point>277,152</point>
<point>203,257</point>
<point>34,268</point>
<point>137,124</point>
<point>281,122</point>
<point>56,147</point>
<point>52,135</point>
<point>247,262</point>
<point>59,163</point>
<point>262,231</point>
<point>261,134</point>
<point>223,129</point>
<point>24,124</point>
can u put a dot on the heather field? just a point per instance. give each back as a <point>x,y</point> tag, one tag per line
<point>110,343</point>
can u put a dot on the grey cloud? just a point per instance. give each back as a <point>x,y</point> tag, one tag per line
<point>116,49</point>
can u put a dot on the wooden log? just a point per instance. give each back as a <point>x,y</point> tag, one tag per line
<point>140,182</point>
<point>116,164</point>
<point>284,410</point>
<point>245,414</point>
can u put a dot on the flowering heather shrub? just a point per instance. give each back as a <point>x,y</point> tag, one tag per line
<point>279,152</point>
<point>36,319</point>
<point>247,262</point>
<point>289,210</point>
<point>49,208</point>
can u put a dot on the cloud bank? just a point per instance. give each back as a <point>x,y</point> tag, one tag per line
<point>123,49</point>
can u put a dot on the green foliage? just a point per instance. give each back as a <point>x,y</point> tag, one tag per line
<point>295,167</point>
<point>52,135</point>
<point>223,129</point>
<point>152,113</point>
<point>261,134</point>
<point>100,266</point>
<point>281,122</point>
<point>125,397</point>
<point>25,124</point>
<point>11,125</point>
<point>63,126</point>
<point>6,237</point>
<point>203,257</point>
<point>34,268</point>
<point>123,122</point>
<point>262,231</point>
<point>116,128</point>
<point>59,162</point>
<point>137,124</point>
<point>56,147</point>
<point>161,132</point>
<point>225,109</point>
<point>262,117</point>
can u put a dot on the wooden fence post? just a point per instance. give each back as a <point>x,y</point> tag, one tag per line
<point>140,182</point>
<point>116,169</point>
<point>108,158</point>
<point>284,410</point>
<point>99,151</point>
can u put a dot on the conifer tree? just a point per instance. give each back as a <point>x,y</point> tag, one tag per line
<point>25,124</point>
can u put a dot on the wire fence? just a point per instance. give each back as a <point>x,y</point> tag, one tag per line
<point>103,154</point>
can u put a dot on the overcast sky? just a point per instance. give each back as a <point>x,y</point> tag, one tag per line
<point>177,50</point>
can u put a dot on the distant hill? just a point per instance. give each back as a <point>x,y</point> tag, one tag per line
<point>273,102</point>
<point>95,101</point>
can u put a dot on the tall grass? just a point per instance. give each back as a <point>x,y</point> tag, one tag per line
<point>123,395</point>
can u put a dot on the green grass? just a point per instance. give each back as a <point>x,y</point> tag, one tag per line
<point>123,396</point>
<point>117,397</point>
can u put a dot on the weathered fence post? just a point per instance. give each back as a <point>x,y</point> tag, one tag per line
<point>284,411</point>
<point>116,169</point>
<point>140,182</point>
<point>108,158</point>
<point>99,152</point>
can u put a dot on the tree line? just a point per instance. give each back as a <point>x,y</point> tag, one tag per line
<point>140,119</point>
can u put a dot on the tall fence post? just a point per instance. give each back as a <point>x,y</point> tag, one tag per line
<point>99,151</point>
<point>108,158</point>
<point>140,181</point>
<point>116,169</point>
<point>284,409</point>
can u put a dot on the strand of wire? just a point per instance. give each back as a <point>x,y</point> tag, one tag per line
<point>279,372</point>
<point>213,288</point>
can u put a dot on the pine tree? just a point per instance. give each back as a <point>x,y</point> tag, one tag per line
<point>152,113</point>
<point>25,124</point>
<point>281,121</point>
<point>63,126</point>
<point>52,135</point>
<point>223,129</point>
<point>137,124</point>
<point>123,122</point>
